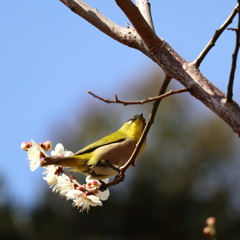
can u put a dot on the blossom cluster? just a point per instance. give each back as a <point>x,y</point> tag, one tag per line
<point>83,196</point>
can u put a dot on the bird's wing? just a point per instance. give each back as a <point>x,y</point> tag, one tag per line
<point>112,138</point>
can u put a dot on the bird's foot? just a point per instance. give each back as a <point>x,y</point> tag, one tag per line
<point>119,178</point>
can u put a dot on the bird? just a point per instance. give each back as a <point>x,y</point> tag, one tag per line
<point>103,158</point>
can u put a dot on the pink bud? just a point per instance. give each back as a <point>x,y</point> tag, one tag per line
<point>80,188</point>
<point>207,231</point>
<point>26,145</point>
<point>95,182</point>
<point>211,221</point>
<point>47,145</point>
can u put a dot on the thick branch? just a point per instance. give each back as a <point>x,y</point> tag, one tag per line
<point>127,36</point>
<point>140,24</point>
<point>190,77</point>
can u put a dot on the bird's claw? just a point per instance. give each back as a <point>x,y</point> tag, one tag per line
<point>119,178</point>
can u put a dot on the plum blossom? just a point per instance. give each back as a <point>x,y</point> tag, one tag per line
<point>94,184</point>
<point>34,155</point>
<point>83,200</point>
<point>83,196</point>
<point>50,171</point>
<point>59,151</point>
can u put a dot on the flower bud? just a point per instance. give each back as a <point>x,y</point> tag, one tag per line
<point>211,221</point>
<point>26,145</point>
<point>47,145</point>
<point>207,231</point>
<point>51,179</point>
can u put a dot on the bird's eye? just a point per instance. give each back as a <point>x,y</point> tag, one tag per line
<point>132,119</point>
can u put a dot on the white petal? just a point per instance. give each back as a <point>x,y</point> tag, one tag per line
<point>73,193</point>
<point>49,170</point>
<point>94,200</point>
<point>34,156</point>
<point>33,143</point>
<point>59,149</point>
<point>103,195</point>
<point>88,178</point>
<point>63,185</point>
<point>86,201</point>
<point>51,179</point>
<point>106,180</point>
<point>68,153</point>
<point>53,153</point>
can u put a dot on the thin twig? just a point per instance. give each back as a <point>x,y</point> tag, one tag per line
<point>152,99</point>
<point>233,67</point>
<point>215,37</point>
<point>234,61</point>
<point>120,177</point>
<point>147,127</point>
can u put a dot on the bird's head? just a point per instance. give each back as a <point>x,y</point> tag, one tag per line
<point>134,127</point>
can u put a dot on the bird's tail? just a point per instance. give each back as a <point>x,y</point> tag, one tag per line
<point>56,160</point>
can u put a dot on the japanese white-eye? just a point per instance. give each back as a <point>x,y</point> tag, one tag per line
<point>101,159</point>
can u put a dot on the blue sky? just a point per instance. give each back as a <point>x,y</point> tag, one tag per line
<point>50,57</point>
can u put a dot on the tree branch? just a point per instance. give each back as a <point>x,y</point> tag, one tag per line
<point>140,24</point>
<point>233,67</point>
<point>145,8</point>
<point>202,89</point>
<point>127,36</point>
<point>215,37</point>
<point>172,63</point>
<point>234,61</point>
<point>152,99</point>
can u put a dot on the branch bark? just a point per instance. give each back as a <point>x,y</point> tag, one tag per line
<point>140,24</point>
<point>127,36</point>
<point>145,9</point>
<point>145,40</point>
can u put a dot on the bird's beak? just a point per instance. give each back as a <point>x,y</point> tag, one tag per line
<point>143,119</point>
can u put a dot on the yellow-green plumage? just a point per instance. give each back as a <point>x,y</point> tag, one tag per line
<point>98,158</point>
